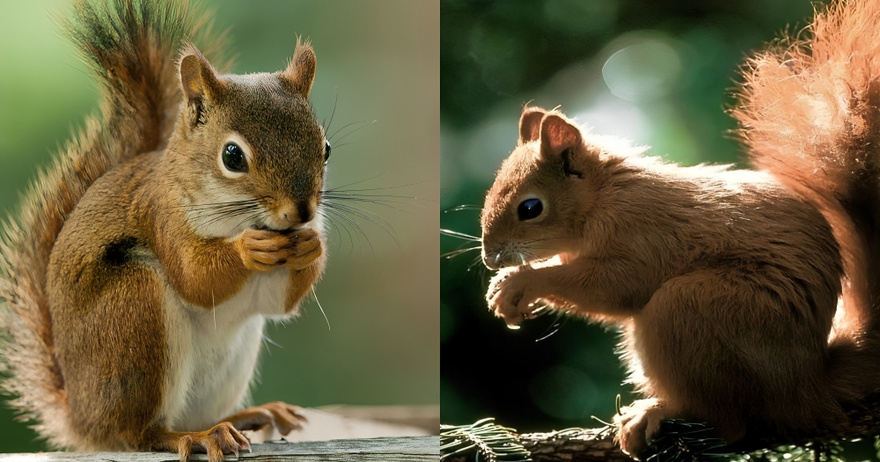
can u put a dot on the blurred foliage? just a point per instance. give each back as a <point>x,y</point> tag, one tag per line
<point>659,73</point>
<point>377,86</point>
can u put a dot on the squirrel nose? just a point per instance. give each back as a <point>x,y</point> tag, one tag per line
<point>492,260</point>
<point>300,213</point>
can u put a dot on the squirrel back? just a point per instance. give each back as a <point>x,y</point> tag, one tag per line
<point>132,49</point>
<point>810,115</point>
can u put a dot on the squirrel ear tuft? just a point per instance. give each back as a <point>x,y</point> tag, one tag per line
<point>557,135</point>
<point>199,81</point>
<point>300,73</point>
<point>530,124</point>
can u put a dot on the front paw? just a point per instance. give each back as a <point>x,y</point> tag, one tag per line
<point>510,295</point>
<point>638,424</point>
<point>265,250</point>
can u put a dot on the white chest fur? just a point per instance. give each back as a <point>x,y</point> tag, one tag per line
<point>213,353</point>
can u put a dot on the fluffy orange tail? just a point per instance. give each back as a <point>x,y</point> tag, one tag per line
<point>810,114</point>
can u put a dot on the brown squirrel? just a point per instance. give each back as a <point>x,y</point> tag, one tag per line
<point>747,299</point>
<point>139,274</point>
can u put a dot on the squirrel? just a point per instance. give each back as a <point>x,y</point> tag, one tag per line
<point>144,263</point>
<point>747,299</point>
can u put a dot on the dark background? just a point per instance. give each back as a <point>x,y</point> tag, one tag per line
<point>659,73</point>
<point>378,69</point>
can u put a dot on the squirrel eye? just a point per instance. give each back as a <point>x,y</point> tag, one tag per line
<point>326,151</point>
<point>233,158</point>
<point>529,209</point>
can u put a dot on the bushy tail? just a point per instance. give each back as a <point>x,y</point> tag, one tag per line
<point>131,45</point>
<point>810,114</point>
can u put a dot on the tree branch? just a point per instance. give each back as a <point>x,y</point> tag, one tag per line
<point>597,444</point>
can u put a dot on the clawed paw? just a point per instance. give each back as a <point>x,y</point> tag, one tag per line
<point>221,439</point>
<point>282,416</point>
<point>509,296</point>
<point>265,250</point>
<point>638,424</point>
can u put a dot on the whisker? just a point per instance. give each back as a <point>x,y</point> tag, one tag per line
<point>332,114</point>
<point>392,205</point>
<point>326,319</point>
<point>378,199</point>
<point>354,130</point>
<point>337,228</point>
<point>455,253</point>
<point>218,217</point>
<point>343,220</point>
<point>372,217</point>
<point>477,263</point>
<point>210,214</point>
<point>249,218</point>
<point>337,188</point>
<point>553,332</point>
<point>346,219</point>
<point>463,236</point>
<point>267,342</point>
<point>463,207</point>
<point>217,205</point>
<point>346,187</point>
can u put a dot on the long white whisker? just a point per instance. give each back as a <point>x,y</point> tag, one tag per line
<point>326,319</point>
<point>466,237</point>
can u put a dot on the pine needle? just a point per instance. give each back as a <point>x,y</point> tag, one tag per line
<point>485,439</point>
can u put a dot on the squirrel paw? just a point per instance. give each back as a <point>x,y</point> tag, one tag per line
<point>282,416</point>
<point>638,423</point>
<point>221,439</point>
<point>264,250</point>
<point>509,296</point>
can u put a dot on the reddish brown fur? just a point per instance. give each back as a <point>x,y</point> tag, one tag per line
<point>104,235</point>
<point>726,283</point>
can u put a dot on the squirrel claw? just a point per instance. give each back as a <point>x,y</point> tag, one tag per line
<point>221,439</point>
<point>508,298</point>
<point>265,250</point>
<point>638,424</point>
<point>278,414</point>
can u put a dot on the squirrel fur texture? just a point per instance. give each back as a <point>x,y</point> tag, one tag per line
<point>748,299</point>
<point>138,276</point>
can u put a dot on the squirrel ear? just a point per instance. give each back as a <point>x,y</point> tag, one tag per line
<point>199,81</point>
<point>530,124</point>
<point>557,135</point>
<point>300,73</point>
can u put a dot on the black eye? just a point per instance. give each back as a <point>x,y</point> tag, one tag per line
<point>233,158</point>
<point>326,150</point>
<point>529,209</point>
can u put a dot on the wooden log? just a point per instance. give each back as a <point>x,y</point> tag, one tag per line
<point>416,448</point>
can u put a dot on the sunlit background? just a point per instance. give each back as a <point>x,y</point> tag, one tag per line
<point>656,72</point>
<point>378,77</point>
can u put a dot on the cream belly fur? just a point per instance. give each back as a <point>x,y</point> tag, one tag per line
<point>213,353</point>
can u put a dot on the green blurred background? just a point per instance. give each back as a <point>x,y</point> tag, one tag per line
<point>378,66</point>
<point>656,72</point>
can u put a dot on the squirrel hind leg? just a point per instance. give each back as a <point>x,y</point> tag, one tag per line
<point>705,351</point>
<point>278,418</point>
<point>638,424</point>
<point>220,439</point>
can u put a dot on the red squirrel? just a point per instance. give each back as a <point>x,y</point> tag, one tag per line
<point>138,275</point>
<point>747,299</point>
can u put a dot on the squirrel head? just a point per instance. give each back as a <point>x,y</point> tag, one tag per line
<point>248,150</point>
<point>543,193</point>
